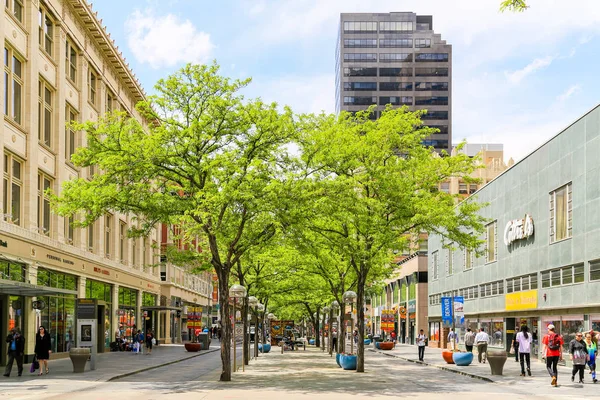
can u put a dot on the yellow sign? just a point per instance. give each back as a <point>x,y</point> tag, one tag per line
<point>521,300</point>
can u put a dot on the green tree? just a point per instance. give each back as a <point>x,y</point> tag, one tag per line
<point>372,184</point>
<point>207,160</point>
<point>513,5</point>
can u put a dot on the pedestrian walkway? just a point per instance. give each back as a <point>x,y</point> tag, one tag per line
<point>511,373</point>
<point>111,365</point>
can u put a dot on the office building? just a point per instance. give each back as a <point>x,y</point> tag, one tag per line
<point>396,58</point>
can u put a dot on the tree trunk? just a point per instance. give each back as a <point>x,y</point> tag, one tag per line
<point>323,333</point>
<point>330,347</point>
<point>246,347</point>
<point>360,305</point>
<point>223,275</point>
<point>317,332</point>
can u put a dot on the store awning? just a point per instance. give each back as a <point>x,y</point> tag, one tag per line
<point>160,308</point>
<point>27,289</point>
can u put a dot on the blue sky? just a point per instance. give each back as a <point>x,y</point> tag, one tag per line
<point>518,78</point>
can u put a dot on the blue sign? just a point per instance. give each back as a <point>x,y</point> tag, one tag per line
<point>447,311</point>
<point>459,310</point>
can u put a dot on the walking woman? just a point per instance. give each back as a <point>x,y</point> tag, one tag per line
<point>579,355</point>
<point>523,340</point>
<point>43,349</point>
<point>592,349</point>
<point>149,340</point>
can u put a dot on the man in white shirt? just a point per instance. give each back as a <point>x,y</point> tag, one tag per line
<point>482,339</point>
<point>453,339</point>
<point>421,341</point>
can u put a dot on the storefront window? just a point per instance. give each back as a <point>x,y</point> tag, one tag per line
<point>497,334</point>
<point>15,313</point>
<point>58,317</point>
<point>12,271</point>
<point>595,322</point>
<point>127,311</point>
<point>148,299</point>
<point>571,324</point>
<point>434,331</point>
<point>101,291</point>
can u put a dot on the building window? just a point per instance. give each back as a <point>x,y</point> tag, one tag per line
<point>123,242</point>
<point>395,100</point>
<point>561,213</point>
<point>395,57</point>
<point>93,87</point>
<point>422,43</point>
<point>431,101</point>
<point>595,270</point>
<point>358,86</point>
<point>144,251</point>
<point>431,86</point>
<point>111,101</point>
<point>435,265</point>
<point>472,186</point>
<point>445,187</point>
<point>13,86</point>
<point>431,57</point>
<point>46,31</point>
<point>469,258</point>
<point>12,189</point>
<point>360,57</point>
<point>431,71</point>
<point>491,289</point>
<point>462,188</point>
<point>71,142</point>
<point>563,276</point>
<point>395,72</point>
<point>15,7</point>
<point>358,71</point>
<point>360,43</point>
<point>435,115</point>
<point>522,283</point>
<point>90,237</point>
<point>107,235</point>
<point>134,252</point>
<point>69,230</point>
<point>71,62</point>
<point>395,86</point>
<point>45,113</point>
<point>491,242</point>
<point>44,216</point>
<point>395,43</point>
<point>360,100</point>
<point>449,262</point>
<point>396,26</point>
<point>360,27</point>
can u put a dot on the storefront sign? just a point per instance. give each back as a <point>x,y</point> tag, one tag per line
<point>447,311</point>
<point>59,259</point>
<point>521,300</point>
<point>101,271</point>
<point>86,309</point>
<point>518,229</point>
<point>459,310</point>
<point>412,306</point>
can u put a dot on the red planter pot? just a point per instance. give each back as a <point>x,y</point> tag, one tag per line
<point>447,355</point>
<point>193,347</point>
<point>386,345</point>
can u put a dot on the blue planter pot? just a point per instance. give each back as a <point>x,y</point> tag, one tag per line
<point>348,362</point>
<point>462,359</point>
<point>264,348</point>
<point>337,359</point>
<point>367,341</point>
<point>311,342</point>
<point>377,345</point>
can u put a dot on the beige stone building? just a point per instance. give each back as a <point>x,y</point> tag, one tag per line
<point>61,65</point>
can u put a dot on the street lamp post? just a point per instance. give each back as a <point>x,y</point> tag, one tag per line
<point>349,297</point>
<point>270,317</point>
<point>335,306</point>
<point>259,310</point>
<point>325,311</point>
<point>236,291</point>
<point>253,302</point>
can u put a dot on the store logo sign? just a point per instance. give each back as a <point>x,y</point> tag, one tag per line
<point>518,229</point>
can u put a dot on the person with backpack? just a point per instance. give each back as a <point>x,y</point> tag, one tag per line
<point>578,353</point>
<point>592,349</point>
<point>421,343</point>
<point>552,350</point>
<point>523,340</point>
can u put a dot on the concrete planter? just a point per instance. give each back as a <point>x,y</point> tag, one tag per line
<point>462,359</point>
<point>367,342</point>
<point>447,356</point>
<point>79,356</point>
<point>264,348</point>
<point>337,359</point>
<point>193,347</point>
<point>386,345</point>
<point>496,359</point>
<point>348,362</point>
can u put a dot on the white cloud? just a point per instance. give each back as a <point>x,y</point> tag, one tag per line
<point>573,89</point>
<point>166,40</point>
<point>517,76</point>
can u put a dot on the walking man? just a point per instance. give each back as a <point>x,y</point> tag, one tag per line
<point>469,340</point>
<point>482,339</point>
<point>16,347</point>
<point>552,349</point>
<point>421,340</point>
<point>453,339</point>
<point>334,340</point>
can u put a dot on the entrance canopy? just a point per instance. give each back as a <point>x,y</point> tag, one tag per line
<point>27,289</point>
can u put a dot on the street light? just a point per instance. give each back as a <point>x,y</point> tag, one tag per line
<point>335,306</point>
<point>253,302</point>
<point>270,317</point>
<point>260,308</point>
<point>236,291</point>
<point>350,297</point>
<point>325,311</point>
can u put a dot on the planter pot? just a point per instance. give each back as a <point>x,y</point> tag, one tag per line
<point>193,347</point>
<point>348,362</point>
<point>496,359</point>
<point>462,359</point>
<point>377,345</point>
<point>79,356</point>
<point>337,359</point>
<point>311,342</point>
<point>447,356</point>
<point>367,342</point>
<point>264,348</point>
<point>386,345</point>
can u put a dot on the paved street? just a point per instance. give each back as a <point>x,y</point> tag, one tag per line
<point>309,374</point>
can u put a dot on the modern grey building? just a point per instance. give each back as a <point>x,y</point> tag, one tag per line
<point>541,261</point>
<point>395,58</point>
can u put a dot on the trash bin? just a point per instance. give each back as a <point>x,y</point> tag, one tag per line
<point>79,356</point>
<point>205,340</point>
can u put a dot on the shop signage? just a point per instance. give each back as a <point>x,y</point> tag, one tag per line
<point>459,310</point>
<point>101,271</point>
<point>194,317</point>
<point>447,311</point>
<point>59,259</point>
<point>521,300</point>
<point>412,306</point>
<point>86,309</point>
<point>518,229</point>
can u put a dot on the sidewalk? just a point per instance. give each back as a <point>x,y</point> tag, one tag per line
<point>111,365</point>
<point>511,372</point>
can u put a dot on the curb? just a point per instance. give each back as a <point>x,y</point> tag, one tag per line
<point>116,377</point>
<point>483,378</point>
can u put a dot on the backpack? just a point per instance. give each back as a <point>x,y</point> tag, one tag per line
<point>554,341</point>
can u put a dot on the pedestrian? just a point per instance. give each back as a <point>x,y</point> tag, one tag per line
<point>334,335</point>
<point>421,342</point>
<point>140,341</point>
<point>523,340</point>
<point>578,353</point>
<point>149,341</point>
<point>43,349</point>
<point>515,345</point>
<point>552,350</point>
<point>16,348</point>
<point>482,339</point>
<point>453,339</point>
<point>469,340</point>
<point>393,336</point>
<point>592,349</point>
<point>355,336</point>
<point>220,333</point>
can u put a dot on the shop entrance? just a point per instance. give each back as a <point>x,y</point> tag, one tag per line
<point>411,338</point>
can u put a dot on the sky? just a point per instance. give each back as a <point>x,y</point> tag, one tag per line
<point>518,78</point>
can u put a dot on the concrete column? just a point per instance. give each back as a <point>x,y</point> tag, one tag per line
<point>30,318</point>
<point>138,310</point>
<point>168,327</point>
<point>114,318</point>
<point>81,287</point>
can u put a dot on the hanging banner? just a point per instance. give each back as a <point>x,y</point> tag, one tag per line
<point>459,311</point>
<point>447,311</point>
